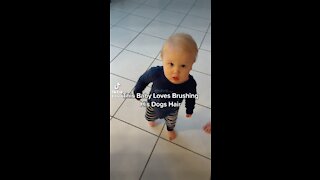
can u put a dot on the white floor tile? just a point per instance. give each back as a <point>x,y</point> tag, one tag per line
<point>130,149</point>
<point>124,5</point>
<point>209,30</point>
<point>159,57</point>
<point>114,51</point>
<point>130,65</point>
<point>201,11</point>
<point>170,17</point>
<point>134,113</point>
<point>196,35</point>
<point>188,1</point>
<point>135,23</point>
<point>160,29</point>
<point>146,11</point>
<point>157,3</point>
<point>116,16</point>
<point>156,63</point>
<point>121,37</point>
<point>203,3</point>
<point>146,45</point>
<point>169,161</point>
<point>196,23</point>
<point>203,62</point>
<point>206,44</point>
<point>180,6</point>
<point>116,97</point>
<point>138,1</point>
<point>189,130</point>
<point>203,88</point>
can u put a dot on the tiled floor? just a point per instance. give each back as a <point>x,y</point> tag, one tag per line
<point>138,29</point>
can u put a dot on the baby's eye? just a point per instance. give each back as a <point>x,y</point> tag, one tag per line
<point>171,64</point>
<point>183,66</point>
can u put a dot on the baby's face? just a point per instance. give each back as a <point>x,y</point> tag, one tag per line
<point>177,66</point>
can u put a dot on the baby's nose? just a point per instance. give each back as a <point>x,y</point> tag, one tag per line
<point>176,70</point>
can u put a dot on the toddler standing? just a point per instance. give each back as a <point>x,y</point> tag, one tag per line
<point>171,82</point>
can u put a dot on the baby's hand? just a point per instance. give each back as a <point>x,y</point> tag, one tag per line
<point>188,115</point>
<point>207,128</point>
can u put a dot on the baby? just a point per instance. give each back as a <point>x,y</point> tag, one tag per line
<point>171,82</point>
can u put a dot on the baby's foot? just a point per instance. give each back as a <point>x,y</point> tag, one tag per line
<point>152,123</point>
<point>172,135</point>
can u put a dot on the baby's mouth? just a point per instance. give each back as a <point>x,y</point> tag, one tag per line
<point>175,78</point>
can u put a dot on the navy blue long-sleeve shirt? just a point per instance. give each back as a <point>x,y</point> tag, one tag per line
<point>165,93</point>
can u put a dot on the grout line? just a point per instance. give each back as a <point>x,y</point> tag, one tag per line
<point>132,52</point>
<point>135,126</point>
<point>151,20</point>
<point>123,16</point>
<point>188,13</point>
<point>185,148</point>
<point>192,29</point>
<point>150,155</point>
<point>154,35</point>
<point>139,53</point>
<point>157,7</point>
<point>201,72</point>
<point>133,31</point>
<point>159,20</point>
<point>200,17</point>
<point>141,33</point>
<point>138,33</point>
<point>124,77</point>
<point>203,106</point>
<point>205,35</point>
<point>179,25</point>
<point>117,54</point>
<point>122,103</point>
<point>131,91</point>
<point>205,50</point>
<point>119,107</point>
<point>192,5</point>
<point>116,46</point>
<point>159,136</point>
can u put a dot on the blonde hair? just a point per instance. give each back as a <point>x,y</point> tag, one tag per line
<point>183,41</point>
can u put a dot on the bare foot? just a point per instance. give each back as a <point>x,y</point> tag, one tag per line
<point>152,123</point>
<point>172,135</point>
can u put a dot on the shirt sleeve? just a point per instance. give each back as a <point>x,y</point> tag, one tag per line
<point>144,80</point>
<point>190,102</point>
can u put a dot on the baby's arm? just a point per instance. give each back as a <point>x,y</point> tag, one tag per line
<point>190,102</point>
<point>143,81</point>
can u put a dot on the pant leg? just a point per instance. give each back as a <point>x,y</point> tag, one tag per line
<point>171,120</point>
<point>150,114</point>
